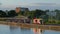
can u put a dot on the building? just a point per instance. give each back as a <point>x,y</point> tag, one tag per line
<point>51,13</point>
<point>18,9</point>
<point>24,9</point>
<point>38,21</point>
<point>17,20</point>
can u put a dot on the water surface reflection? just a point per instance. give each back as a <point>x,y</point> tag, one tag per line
<point>6,29</point>
<point>37,31</point>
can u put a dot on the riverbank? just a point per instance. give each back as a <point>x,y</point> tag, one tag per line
<point>46,27</point>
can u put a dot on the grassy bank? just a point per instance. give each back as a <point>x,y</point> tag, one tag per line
<point>53,22</point>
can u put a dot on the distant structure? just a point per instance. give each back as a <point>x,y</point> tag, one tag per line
<point>18,9</point>
<point>38,21</point>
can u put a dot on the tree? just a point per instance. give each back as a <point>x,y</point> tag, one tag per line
<point>2,13</point>
<point>21,13</point>
<point>57,14</point>
<point>12,13</point>
<point>31,14</point>
<point>38,13</point>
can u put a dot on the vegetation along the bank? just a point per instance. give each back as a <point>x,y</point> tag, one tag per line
<point>49,17</point>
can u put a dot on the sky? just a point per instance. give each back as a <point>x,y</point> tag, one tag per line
<point>31,4</point>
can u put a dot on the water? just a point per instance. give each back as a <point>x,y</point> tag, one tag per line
<point>6,29</point>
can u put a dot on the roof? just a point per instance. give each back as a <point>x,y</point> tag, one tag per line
<point>39,18</point>
<point>21,17</point>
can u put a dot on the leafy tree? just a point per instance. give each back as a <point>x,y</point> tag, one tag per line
<point>57,14</point>
<point>31,14</point>
<point>21,13</point>
<point>12,13</point>
<point>38,13</point>
<point>2,13</point>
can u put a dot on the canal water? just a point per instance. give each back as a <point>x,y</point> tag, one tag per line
<point>7,29</point>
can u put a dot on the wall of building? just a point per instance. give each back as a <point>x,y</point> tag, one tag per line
<point>18,9</point>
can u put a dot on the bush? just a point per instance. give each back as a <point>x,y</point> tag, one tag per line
<point>58,22</point>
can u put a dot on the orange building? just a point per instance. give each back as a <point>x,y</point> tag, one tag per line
<point>18,9</point>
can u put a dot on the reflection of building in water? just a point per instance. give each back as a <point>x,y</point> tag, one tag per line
<point>37,31</point>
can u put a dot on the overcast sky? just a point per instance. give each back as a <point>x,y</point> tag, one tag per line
<point>34,4</point>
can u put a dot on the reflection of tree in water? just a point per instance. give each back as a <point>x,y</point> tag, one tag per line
<point>25,29</point>
<point>13,27</point>
<point>37,31</point>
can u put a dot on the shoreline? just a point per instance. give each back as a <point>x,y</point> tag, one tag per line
<point>46,27</point>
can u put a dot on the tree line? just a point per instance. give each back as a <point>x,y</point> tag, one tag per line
<point>34,14</point>
<point>31,14</point>
<point>6,13</point>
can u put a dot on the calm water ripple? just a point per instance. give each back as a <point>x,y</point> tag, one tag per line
<point>6,29</point>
